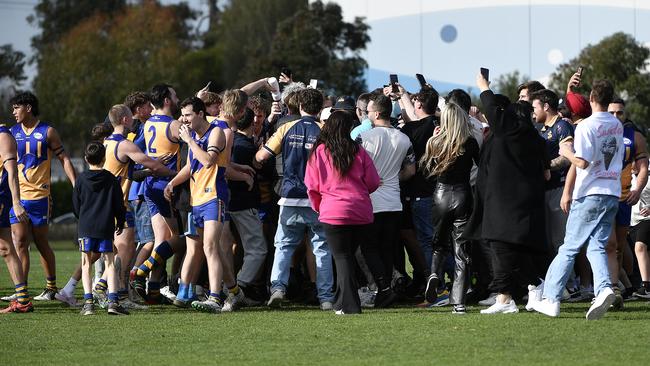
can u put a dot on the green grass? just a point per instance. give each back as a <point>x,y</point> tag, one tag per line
<point>56,335</point>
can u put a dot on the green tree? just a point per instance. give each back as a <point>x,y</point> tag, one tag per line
<point>105,57</point>
<point>244,37</point>
<point>12,74</point>
<point>620,59</point>
<point>317,43</point>
<point>507,84</point>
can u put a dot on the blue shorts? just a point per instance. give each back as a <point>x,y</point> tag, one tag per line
<point>143,229</point>
<point>5,207</point>
<point>38,211</point>
<point>624,214</point>
<point>95,245</point>
<point>213,210</point>
<point>157,202</point>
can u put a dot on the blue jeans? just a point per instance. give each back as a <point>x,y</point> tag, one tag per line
<point>590,221</point>
<point>291,230</point>
<point>422,212</point>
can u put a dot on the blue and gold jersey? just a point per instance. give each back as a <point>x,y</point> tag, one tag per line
<point>157,137</point>
<point>34,161</point>
<point>5,193</point>
<point>123,170</point>
<point>203,181</point>
<point>222,162</point>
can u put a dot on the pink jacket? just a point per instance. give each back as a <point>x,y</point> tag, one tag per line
<point>341,200</point>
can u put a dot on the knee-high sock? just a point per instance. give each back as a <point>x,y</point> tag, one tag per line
<point>158,257</point>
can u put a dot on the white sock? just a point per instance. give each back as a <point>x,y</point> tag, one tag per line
<point>70,286</point>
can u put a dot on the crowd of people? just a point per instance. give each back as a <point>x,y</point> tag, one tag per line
<point>275,193</point>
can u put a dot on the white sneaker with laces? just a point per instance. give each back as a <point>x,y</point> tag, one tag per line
<point>166,292</point>
<point>534,295</point>
<point>66,298</point>
<point>602,302</point>
<point>547,307</point>
<point>233,302</point>
<point>498,308</point>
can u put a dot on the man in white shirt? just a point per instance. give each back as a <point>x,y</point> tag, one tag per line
<point>593,201</point>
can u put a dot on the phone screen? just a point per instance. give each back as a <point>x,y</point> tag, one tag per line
<point>393,82</point>
<point>313,83</point>
<point>421,80</point>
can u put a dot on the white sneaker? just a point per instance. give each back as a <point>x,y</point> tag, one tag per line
<point>602,302</point>
<point>207,306</point>
<point>326,306</point>
<point>128,304</point>
<point>166,292</point>
<point>489,301</point>
<point>66,298</point>
<point>547,307</point>
<point>339,312</point>
<point>507,308</point>
<point>276,299</point>
<point>534,295</point>
<point>233,302</point>
<point>9,298</point>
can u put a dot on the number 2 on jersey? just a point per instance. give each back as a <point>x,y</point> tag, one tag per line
<point>152,130</point>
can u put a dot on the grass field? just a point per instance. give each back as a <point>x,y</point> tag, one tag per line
<point>57,335</point>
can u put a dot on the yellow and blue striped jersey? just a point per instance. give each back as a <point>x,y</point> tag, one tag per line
<point>34,161</point>
<point>203,181</point>
<point>123,170</point>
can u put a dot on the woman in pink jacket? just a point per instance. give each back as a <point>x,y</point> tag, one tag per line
<point>340,177</point>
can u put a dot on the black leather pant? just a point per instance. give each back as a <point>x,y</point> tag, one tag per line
<point>452,207</point>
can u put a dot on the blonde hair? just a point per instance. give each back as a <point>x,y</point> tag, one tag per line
<point>443,149</point>
<point>118,112</point>
<point>233,102</point>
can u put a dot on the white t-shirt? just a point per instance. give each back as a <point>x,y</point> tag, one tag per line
<point>389,149</point>
<point>599,141</point>
<point>644,201</point>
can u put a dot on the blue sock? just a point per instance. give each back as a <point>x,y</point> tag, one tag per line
<point>113,297</point>
<point>182,292</point>
<point>191,291</point>
<point>88,297</point>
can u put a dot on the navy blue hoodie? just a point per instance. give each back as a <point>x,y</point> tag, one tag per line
<point>98,203</point>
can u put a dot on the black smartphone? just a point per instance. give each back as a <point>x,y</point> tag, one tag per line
<point>486,73</point>
<point>393,83</point>
<point>421,80</point>
<point>580,70</point>
<point>287,71</point>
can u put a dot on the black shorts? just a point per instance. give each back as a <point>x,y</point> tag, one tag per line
<point>641,232</point>
<point>407,216</point>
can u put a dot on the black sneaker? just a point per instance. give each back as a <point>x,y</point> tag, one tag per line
<point>431,292</point>
<point>88,309</point>
<point>139,285</point>
<point>459,309</point>
<point>385,298</point>
<point>115,309</point>
<point>643,293</point>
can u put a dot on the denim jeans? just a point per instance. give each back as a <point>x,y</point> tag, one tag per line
<point>422,212</point>
<point>291,230</point>
<point>590,221</point>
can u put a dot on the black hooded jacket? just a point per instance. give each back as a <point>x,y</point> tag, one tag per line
<point>98,203</point>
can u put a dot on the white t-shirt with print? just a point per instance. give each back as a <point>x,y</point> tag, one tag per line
<point>389,149</point>
<point>599,141</point>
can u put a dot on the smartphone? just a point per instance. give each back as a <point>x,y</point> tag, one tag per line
<point>421,80</point>
<point>287,71</point>
<point>393,83</point>
<point>313,83</point>
<point>486,73</point>
<point>580,70</point>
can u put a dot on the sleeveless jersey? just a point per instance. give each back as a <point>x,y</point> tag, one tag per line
<point>123,170</point>
<point>203,181</point>
<point>628,158</point>
<point>34,161</point>
<point>158,142</point>
<point>222,162</point>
